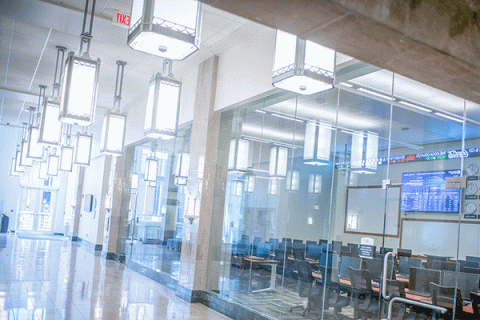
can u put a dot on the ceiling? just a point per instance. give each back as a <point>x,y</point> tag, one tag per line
<point>28,54</point>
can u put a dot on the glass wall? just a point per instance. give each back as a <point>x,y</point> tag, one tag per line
<point>157,196</point>
<point>320,187</point>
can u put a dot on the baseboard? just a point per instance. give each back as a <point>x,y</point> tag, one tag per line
<point>58,234</point>
<point>114,256</point>
<point>162,278</point>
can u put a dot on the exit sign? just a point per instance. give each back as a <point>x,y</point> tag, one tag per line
<point>122,19</point>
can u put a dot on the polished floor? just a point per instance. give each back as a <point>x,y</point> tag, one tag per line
<point>51,278</point>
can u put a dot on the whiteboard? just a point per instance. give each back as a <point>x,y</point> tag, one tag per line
<point>440,238</point>
<point>366,207</point>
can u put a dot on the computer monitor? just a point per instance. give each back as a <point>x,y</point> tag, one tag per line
<point>297,241</point>
<point>384,250</point>
<point>274,242</point>
<point>355,263</point>
<point>431,258</point>
<point>466,282</point>
<point>299,245</point>
<point>346,251</point>
<point>313,252</point>
<point>245,238</point>
<point>337,246</point>
<point>472,258</point>
<point>420,279</point>
<point>309,242</point>
<point>471,270</point>
<point>257,240</point>
<point>405,263</point>
<point>263,250</point>
<point>299,253</point>
<point>322,241</point>
<point>325,246</point>
<point>353,249</point>
<point>443,265</point>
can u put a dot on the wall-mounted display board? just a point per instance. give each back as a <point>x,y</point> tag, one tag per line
<point>365,209</point>
<point>439,237</point>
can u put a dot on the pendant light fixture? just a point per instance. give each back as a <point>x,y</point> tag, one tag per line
<point>13,171</point>
<point>83,149</point>
<point>80,81</point>
<point>302,66</point>
<point>249,182</point>
<point>318,136</point>
<point>272,187</point>
<point>67,151</point>
<point>53,163</point>
<point>238,155</point>
<point>24,160</point>
<point>369,163</point>
<point>278,162</point>
<point>151,165</point>
<point>371,156</point>
<point>50,127</point>
<point>165,28</point>
<point>163,104</point>
<point>43,171</point>
<point>18,167</point>
<point>314,183</point>
<point>35,150</point>
<point>356,155</point>
<point>114,123</point>
<point>181,173</point>
<point>293,180</point>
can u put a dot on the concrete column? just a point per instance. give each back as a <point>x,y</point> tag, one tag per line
<point>78,203</point>
<point>201,247</point>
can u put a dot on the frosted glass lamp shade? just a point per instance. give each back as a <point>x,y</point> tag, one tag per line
<point>24,160</point>
<point>18,167</point>
<point>318,138</point>
<point>35,149</point>
<point>113,134</point>
<point>53,162</point>
<point>66,158</point>
<point>238,155</point>
<point>278,162</point>
<point>50,127</point>
<point>182,167</point>
<point>272,187</point>
<point>293,180</point>
<point>162,108</point>
<point>43,172</point>
<point>302,66</point>
<point>13,172</point>
<point>79,90</point>
<point>165,28</point>
<point>151,169</point>
<point>372,151</point>
<point>356,157</point>
<point>314,183</point>
<point>249,183</point>
<point>83,149</point>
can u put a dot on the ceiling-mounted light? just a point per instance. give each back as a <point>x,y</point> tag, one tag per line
<point>369,163</point>
<point>371,157</point>
<point>35,149</point>
<point>53,164</point>
<point>80,81</point>
<point>13,172</point>
<point>356,155</point>
<point>43,172</point>
<point>314,183</point>
<point>162,105</point>
<point>293,180</point>
<point>24,160</point>
<point>278,162</point>
<point>83,149</point>
<point>318,136</point>
<point>66,158</point>
<point>165,28</point>
<point>151,169</point>
<point>302,66</point>
<point>114,122</point>
<point>50,127</point>
<point>238,155</point>
<point>183,165</point>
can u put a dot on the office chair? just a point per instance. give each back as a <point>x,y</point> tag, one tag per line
<point>396,288</point>
<point>304,284</point>
<point>475,297</point>
<point>363,301</point>
<point>298,253</point>
<point>333,299</point>
<point>444,297</point>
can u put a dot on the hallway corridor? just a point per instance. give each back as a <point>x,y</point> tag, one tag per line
<point>53,278</point>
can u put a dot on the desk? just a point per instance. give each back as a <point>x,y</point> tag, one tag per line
<point>273,274</point>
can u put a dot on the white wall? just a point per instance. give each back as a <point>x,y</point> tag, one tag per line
<point>10,186</point>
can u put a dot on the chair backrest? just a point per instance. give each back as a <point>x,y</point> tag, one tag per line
<point>466,282</point>
<point>443,265</point>
<point>404,253</point>
<point>406,263</point>
<point>468,264</point>
<point>314,251</point>
<point>420,278</point>
<point>346,251</point>
<point>243,248</point>
<point>445,297</point>
<point>471,270</point>
<point>375,268</point>
<point>349,262</point>
<point>337,246</point>
<point>475,297</point>
<point>384,250</point>
<point>299,253</point>
<point>431,258</point>
<point>257,240</point>
<point>245,238</point>
<point>322,241</point>
<point>310,243</point>
<point>472,258</point>
<point>274,242</point>
<point>353,249</point>
<point>280,256</point>
<point>395,288</point>
<point>360,280</point>
<point>304,270</point>
<point>297,241</point>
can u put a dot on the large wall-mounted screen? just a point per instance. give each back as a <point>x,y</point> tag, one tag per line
<point>426,192</point>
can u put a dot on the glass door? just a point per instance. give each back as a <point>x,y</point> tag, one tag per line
<point>36,210</point>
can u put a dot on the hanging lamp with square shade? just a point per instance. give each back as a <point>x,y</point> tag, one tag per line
<point>367,164</point>
<point>25,161</point>
<point>165,28</point>
<point>53,165</point>
<point>50,131</point>
<point>80,79</point>
<point>182,167</point>
<point>318,136</point>
<point>43,171</point>
<point>162,105</point>
<point>302,66</point>
<point>18,167</point>
<point>13,172</point>
<point>238,155</point>
<point>67,152</point>
<point>35,150</point>
<point>249,182</point>
<point>83,149</point>
<point>293,180</point>
<point>278,162</point>
<point>151,169</point>
<point>114,123</point>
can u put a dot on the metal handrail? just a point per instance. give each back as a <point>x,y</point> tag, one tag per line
<point>440,310</point>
